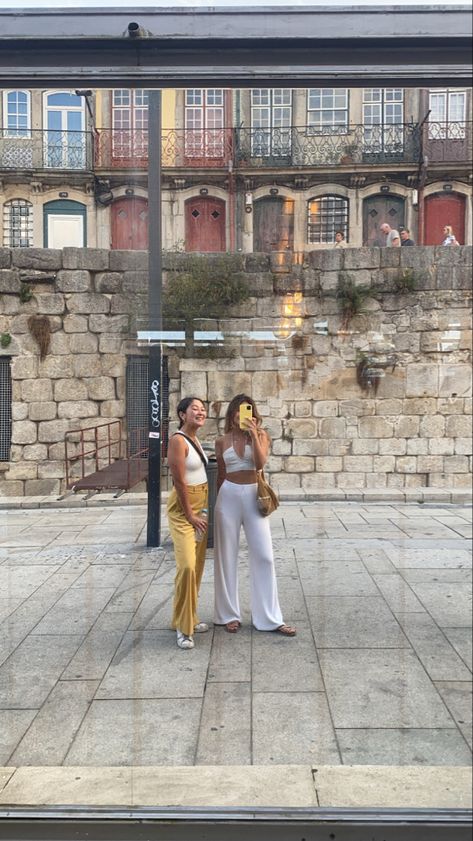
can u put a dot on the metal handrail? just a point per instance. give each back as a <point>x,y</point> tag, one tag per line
<point>46,149</point>
<point>94,452</point>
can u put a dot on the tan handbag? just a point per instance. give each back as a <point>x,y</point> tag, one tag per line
<point>266,497</point>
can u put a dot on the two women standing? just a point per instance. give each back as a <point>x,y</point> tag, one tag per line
<point>240,454</point>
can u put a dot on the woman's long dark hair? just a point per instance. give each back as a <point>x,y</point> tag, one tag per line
<point>233,407</point>
<point>183,406</point>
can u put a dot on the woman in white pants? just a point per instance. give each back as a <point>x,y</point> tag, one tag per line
<point>240,454</point>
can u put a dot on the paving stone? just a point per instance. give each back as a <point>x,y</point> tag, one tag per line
<point>282,664</point>
<point>461,639</point>
<point>403,788</point>
<point>381,688</point>
<point>143,733</point>
<point>13,725</point>
<point>437,656</point>
<point>457,697</point>
<point>7,773</point>
<point>448,603</point>
<point>75,612</point>
<point>409,556</point>
<point>230,659</point>
<point>93,658</point>
<point>77,786</point>
<point>289,786</point>
<point>149,665</point>
<point>398,594</point>
<point>52,732</point>
<point>336,578</point>
<point>292,727</point>
<point>347,621</point>
<point>400,746</point>
<point>225,728</point>
<point>30,673</point>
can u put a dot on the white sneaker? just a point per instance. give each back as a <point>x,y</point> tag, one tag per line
<point>201,628</point>
<point>184,641</point>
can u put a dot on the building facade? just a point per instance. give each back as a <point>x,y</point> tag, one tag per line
<point>266,170</point>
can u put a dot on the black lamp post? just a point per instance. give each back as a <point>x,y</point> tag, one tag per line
<point>154,319</point>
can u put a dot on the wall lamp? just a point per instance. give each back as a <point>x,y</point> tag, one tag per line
<point>248,202</point>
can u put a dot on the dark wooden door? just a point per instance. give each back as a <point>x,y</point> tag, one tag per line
<point>130,224</point>
<point>205,224</point>
<point>442,209</point>
<point>377,210</point>
<point>273,224</point>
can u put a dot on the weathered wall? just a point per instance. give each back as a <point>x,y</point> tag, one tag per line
<point>327,432</point>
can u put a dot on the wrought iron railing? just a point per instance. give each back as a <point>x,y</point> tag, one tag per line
<point>108,149</point>
<point>448,142</point>
<point>127,149</point>
<point>327,147</point>
<point>37,149</point>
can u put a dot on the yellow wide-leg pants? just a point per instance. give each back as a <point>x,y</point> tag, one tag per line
<point>190,557</point>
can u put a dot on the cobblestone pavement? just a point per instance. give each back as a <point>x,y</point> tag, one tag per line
<point>379,673</point>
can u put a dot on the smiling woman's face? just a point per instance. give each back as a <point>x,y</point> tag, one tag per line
<point>195,413</point>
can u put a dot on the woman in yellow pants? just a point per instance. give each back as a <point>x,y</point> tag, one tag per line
<point>187,524</point>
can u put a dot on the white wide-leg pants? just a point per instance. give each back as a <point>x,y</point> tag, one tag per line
<point>236,507</point>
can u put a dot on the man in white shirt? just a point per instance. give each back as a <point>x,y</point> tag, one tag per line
<point>393,239</point>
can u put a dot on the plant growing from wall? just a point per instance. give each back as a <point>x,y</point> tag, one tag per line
<point>203,288</point>
<point>5,340</point>
<point>406,281</point>
<point>351,297</point>
<point>40,328</point>
<point>26,293</point>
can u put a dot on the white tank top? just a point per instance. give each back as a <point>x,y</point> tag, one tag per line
<point>234,462</point>
<point>195,470</point>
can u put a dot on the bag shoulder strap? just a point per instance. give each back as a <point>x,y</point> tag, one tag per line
<point>198,450</point>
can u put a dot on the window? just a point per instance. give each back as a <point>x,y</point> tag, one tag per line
<point>16,114</point>
<point>17,224</point>
<point>204,121</point>
<point>5,408</point>
<point>327,110</point>
<point>447,114</point>
<point>130,123</point>
<point>327,214</point>
<point>383,115</point>
<point>65,138</point>
<point>271,119</point>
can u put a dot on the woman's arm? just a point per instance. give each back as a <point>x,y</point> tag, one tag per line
<point>221,469</point>
<point>260,441</point>
<point>177,452</point>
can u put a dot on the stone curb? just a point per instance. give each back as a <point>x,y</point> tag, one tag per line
<point>446,496</point>
<point>241,785</point>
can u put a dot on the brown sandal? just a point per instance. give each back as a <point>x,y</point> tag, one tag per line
<point>233,627</point>
<point>286,631</point>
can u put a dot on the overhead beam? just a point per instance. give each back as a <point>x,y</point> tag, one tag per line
<point>241,47</point>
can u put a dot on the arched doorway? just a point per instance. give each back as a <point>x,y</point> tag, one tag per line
<point>442,209</point>
<point>205,224</point>
<point>273,224</point>
<point>378,209</point>
<point>130,224</point>
<point>65,224</point>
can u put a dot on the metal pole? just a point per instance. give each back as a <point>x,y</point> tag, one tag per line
<point>155,319</point>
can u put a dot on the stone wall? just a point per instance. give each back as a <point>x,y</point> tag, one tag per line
<point>327,431</point>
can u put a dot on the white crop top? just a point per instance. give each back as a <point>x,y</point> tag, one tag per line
<point>195,470</point>
<point>233,462</point>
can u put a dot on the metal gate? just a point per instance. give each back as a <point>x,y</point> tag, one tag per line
<point>137,371</point>
<point>5,408</point>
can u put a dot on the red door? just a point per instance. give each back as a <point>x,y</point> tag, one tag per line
<point>205,224</point>
<point>130,224</point>
<point>442,209</point>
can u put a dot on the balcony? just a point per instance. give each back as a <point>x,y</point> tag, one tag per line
<point>448,142</point>
<point>127,149</point>
<point>46,150</point>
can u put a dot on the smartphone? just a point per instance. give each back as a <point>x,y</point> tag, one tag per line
<point>246,413</point>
